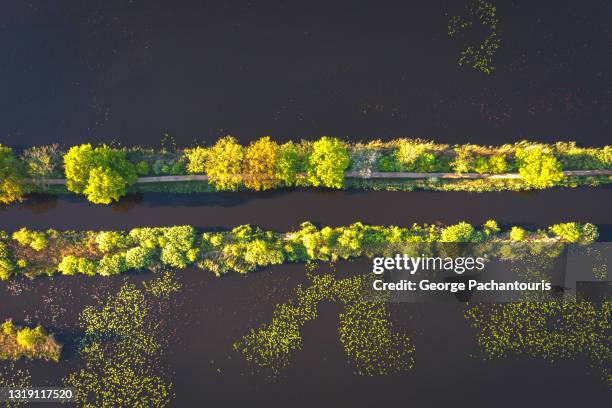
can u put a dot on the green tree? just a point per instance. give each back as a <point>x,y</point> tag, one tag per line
<point>287,164</point>
<point>260,164</point>
<point>538,168</point>
<point>327,162</point>
<point>12,177</point>
<point>224,164</point>
<point>103,174</point>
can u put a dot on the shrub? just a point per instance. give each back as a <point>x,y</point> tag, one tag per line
<point>112,265</point>
<point>87,267</point>
<point>517,234</point>
<point>224,164</point>
<point>464,160</point>
<point>174,256</point>
<point>142,168</point>
<point>8,327</point>
<point>110,240</point>
<point>7,266</point>
<point>139,257</point>
<point>260,164</point>
<point>327,162</point>
<point>12,177</point>
<point>538,168</point>
<point>196,159</point>
<point>490,227</point>
<point>462,232</point>
<point>30,338</point>
<point>69,265</point>
<point>37,240</point>
<point>260,253</point>
<point>495,164</point>
<point>574,232</point>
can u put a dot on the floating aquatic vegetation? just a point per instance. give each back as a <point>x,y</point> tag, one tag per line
<point>163,286</point>
<point>11,376</point>
<point>552,329</point>
<point>479,57</point>
<point>365,332</point>
<point>121,350</point>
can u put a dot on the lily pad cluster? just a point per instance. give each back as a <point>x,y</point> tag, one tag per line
<point>121,349</point>
<point>366,332</point>
<point>479,56</point>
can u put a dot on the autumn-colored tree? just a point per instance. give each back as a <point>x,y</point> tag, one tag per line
<point>224,164</point>
<point>260,164</point>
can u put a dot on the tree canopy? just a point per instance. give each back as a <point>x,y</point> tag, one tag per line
<point>12,177</point>
<point>224,164</point>
<point>327,162</point>
<point>538,168</point>
<point>260,163</point>
<point>102,174</point>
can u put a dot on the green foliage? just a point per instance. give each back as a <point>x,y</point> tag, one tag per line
<point>142,168</point>
<point>139,257</point>
<point>37,240</point>
<point>71,265</point>
<point>7,265</point>
<point>17,342</point>
<point>260,164</point>
<point>464,160</point>
<point>112,265</point>
<point>30,338</point>
<point>517,234</point>
<point>495,164</point>
<point>287,164</point>
<point>490,227</point>
<point>196,159</point>
<point>538,168</point>
<point>224,164</point>
<point>102,174</point>
<point>109,241</point>
<point>574,232</point>
<point>327,162</point>
<point>461,232</point>
<point>12,177</point>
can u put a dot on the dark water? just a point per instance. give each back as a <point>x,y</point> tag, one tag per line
<point>74,71</point>
<point>284,210</point>
<point>213,313</point>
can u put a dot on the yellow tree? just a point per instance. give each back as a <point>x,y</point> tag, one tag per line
<point>260,164</point>
<point>224,164</point>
